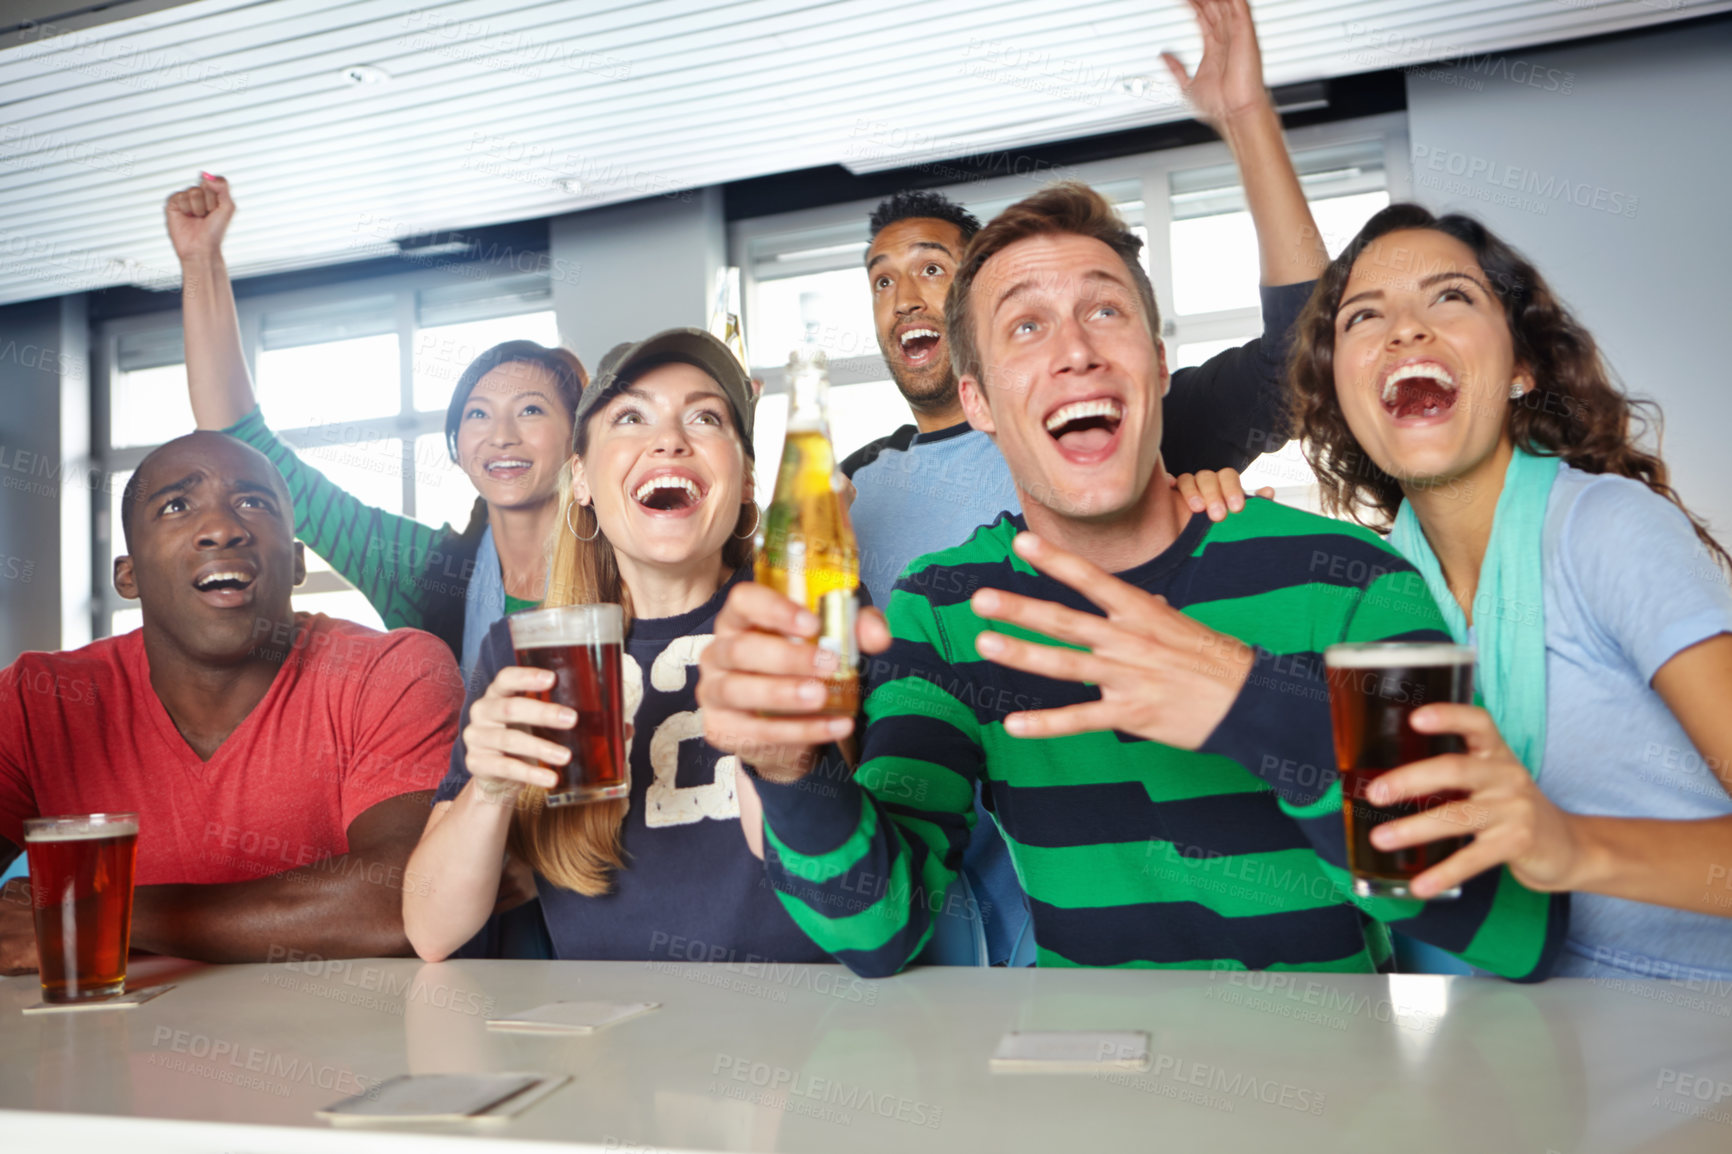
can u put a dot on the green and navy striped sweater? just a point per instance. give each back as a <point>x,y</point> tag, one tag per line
<point>1133,853</point>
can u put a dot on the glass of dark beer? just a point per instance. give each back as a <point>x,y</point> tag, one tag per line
<point>1373,690</point>
<point>581,645</point>
<point>81,892</point>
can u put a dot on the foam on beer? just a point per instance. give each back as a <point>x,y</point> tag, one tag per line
<point>1401,654</point>
<point>83,831</point>
<point>567,625</point>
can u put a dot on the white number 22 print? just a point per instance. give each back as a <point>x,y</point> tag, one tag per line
<point>666,803</point>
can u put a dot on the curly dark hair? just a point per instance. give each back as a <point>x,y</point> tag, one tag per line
<point>926,206</point>
<point>1574,411</point>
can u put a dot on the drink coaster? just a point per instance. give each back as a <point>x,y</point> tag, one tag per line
<point>124,1001</point>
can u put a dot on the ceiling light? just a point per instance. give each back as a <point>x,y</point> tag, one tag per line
<point>360,74</point>
<point>433,244</point>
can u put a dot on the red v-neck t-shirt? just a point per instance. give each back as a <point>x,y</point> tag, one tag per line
<point>353,717</point>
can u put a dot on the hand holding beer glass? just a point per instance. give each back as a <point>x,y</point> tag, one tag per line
<point>81,874</point>
<point>1373,691</point>
<point>580,645</point>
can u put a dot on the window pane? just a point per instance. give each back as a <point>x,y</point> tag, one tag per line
<point>442,352</point>
<point>1215,263</point>
<point>116,536</point>
<point>370,470</point>
<point>836,305</point>
<point>349,604</point>
<point>150,406</point>
<point>337,381</point>
<point>862,413</point>
<point>769,428</point>
<point>1284,469</point>
<point>444,495</point>
<point>1340,218</point>
<point>1194,353</point>
<point>858,414</point>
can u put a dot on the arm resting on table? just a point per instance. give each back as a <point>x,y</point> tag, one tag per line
<point>350,905</point>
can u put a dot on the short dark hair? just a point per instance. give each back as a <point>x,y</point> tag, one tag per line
<point>925,206</point>
<point>569,378</point>
<point>1066,207</point>
<point>132,494</point>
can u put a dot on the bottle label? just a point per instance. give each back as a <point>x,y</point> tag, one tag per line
<point>837,611</point>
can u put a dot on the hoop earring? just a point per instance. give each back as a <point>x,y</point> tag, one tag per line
<point>757,516</point>
<point>568,511</point>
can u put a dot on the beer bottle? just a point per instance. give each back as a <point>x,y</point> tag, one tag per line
<point>806,548</point>
<point>725,317</point>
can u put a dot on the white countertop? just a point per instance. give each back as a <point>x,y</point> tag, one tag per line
<point>808,1058</point>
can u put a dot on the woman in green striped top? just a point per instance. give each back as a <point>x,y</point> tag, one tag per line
<point>507,428</point>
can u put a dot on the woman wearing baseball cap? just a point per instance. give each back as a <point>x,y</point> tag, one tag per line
<point>656,515</point>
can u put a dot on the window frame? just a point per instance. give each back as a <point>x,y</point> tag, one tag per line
<point>1153,170</point>
<point>836,225</point>
<point>405,426</point>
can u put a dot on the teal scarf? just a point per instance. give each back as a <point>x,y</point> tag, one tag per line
<point>1508,606</point>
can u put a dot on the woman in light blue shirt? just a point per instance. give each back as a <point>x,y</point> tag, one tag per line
<point>1445,393</point>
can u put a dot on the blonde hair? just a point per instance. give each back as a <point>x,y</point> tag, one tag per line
<point>578,846</point>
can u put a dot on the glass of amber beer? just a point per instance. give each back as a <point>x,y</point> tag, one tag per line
<point>81,892</point>
<point>581,645</point>
<point>1373,690</point>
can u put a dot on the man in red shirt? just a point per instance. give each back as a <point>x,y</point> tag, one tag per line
<point>281,763</point>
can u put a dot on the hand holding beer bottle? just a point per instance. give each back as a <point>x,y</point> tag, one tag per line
<point>805,545</point>
<point>787,646</point>
<point>763,681</point>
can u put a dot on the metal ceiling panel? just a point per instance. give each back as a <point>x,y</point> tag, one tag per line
<point>497,110</point>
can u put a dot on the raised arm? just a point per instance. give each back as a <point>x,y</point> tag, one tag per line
<point>1228,95</point>
<point>396,561</point>
<point>1232,408</point>
<point>216,371</point>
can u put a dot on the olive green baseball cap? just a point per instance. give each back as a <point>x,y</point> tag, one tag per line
<point>625,363</point>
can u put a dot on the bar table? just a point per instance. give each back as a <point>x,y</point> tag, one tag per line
<point>237,1059</point>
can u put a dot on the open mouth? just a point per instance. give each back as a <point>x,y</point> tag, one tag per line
<point>919,346</point>
<point>1418,391</point>
<point>668,493</point>
<point>507,468</point>
<point>225,584</point>
<point>1085,426</point>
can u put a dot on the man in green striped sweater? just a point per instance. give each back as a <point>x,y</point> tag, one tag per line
<point>1164,773</point>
